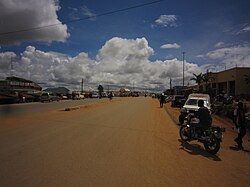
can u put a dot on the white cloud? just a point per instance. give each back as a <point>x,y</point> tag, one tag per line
<point>246,29</point>
<point>87,12</point>
<point>219,44</point>
<point>18,15</point>
<point>200,56</point>
<point>171,46</point>
<point>119,62</point>
<point>231,56</point>
<point>166,20</point>
<point>6,60</point>
<point>73,14</point>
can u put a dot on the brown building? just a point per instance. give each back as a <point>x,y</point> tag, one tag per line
<point>11,84</point>
<point>15,89</point>
<point>231,82</point>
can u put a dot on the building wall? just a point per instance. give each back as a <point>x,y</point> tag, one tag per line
<point>241,86</point>
<point>230,82</point>
<point>15,83</point>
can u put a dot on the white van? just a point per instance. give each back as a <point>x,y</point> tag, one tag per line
<point>191,105</point>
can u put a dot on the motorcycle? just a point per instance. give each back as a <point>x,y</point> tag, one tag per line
<point>211,138</point>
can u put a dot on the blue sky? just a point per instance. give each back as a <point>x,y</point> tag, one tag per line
<point>214,35</point>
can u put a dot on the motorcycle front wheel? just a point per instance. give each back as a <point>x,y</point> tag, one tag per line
<point>212,145</point>
<point>184,131</point>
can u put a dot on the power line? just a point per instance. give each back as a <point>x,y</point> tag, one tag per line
<point>81,19</point>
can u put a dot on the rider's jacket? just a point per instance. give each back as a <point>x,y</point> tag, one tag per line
<point>204,116</point>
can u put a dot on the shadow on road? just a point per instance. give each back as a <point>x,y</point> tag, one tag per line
<point>196,149</point>
<point>5,110</point>
<point>235,148</point>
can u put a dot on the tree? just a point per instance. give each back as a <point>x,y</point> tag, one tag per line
<point>100,90</point>
<point>198,79</point>
<point>206,78</point>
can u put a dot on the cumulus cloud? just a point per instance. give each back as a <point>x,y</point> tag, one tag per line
<point>120,62</point>
<point>5,59</point>
<point>231,56</point>
<point>18,15</point>
<point>5,62</point>
<point>171,46</point>
<point>166,21</point>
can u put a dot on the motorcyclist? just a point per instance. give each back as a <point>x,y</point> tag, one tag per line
<point>204,116</point>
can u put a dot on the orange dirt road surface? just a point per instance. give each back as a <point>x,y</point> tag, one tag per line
<point>128,142</point>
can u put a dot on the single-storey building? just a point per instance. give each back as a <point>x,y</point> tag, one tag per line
<point>231,82</point>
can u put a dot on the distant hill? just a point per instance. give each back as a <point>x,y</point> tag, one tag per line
<point>59,90</point>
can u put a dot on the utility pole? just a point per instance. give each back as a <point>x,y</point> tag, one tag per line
<point>82,86</point>
<point>170,82</point>
<point>183,55</point>
<point>11,67</point>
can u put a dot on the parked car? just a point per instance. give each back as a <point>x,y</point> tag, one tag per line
<point>178,101</point>
<point>191,105</point>
<point>81,96</point>
<point>49,97</point>
<point>64,97</point>
<point>94,95</point>
<point>169,98</point>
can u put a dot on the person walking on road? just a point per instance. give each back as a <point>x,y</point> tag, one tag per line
<point>235,107</point>
<point>110,96</point>
<point>240,124</point>
<point>162,99</point>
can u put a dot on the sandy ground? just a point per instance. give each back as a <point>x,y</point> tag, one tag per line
<point>129,142</point>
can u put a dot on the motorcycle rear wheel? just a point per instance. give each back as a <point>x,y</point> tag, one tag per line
<point>184,131</point>
<point>212,145</point>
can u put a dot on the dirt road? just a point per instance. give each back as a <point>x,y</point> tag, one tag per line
<point>128,142</point>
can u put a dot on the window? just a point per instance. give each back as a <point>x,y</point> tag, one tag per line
<point>192,102</point>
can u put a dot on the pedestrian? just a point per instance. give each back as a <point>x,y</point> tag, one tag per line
<point>235,107</point>
<point>162,100</point>
<point>240,124</point>
<point>110,96</point>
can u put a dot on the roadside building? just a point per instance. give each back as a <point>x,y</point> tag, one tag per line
<point>179,90</point>
<point>16,89</point>
<point>230,82</point>
<point>12,84</point>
